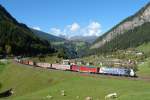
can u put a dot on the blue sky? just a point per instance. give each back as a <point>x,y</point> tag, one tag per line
<point>72,17</point>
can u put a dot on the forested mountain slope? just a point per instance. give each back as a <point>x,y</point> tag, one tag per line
<point>131,32</point>
<point>17,39</point>
<point>47,36</point>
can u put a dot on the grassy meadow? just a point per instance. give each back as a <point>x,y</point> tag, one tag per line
<point>145,48</point>
<point>36,83</point>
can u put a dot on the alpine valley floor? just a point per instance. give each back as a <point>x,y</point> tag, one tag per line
<point>31,83</point>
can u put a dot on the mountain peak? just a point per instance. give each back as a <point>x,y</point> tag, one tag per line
<point>1,7</point>
<point>5,15</point>
<point>145,12</point>
<point>147,5</point>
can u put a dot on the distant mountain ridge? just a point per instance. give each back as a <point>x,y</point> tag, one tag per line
<point>130,23</point>
<point>47,36</point>
<point>17,39</point>
<point>88,39</point>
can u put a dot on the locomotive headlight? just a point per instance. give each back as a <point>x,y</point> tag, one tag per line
<point>132,72</point>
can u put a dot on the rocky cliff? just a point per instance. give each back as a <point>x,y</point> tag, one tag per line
<point>139,18</point>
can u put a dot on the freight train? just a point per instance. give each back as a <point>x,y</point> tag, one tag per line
<point>87,69</point>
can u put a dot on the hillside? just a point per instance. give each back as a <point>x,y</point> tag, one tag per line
<point>17,39</point>
<point>72,48</point>
<point>128,26</point>
<point>47,36</point>
<point>130,39</point>
<point>145,47</point>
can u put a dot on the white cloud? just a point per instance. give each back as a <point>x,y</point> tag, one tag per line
<point>57,32</point>
<point>36,28</point>
<point>74,27</point>
<point>93,29</point>
<point>68,31</point>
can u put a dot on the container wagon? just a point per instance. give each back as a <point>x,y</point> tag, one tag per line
<point>26,62</point>
<point>43,65</point>
<point>88,69</point>
<point>61,67</point>
<point>75,68</point>
<point>31,63</point>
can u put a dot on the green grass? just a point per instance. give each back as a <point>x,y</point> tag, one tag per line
<point>144,68</point>
<point>2,66</point>
<point>36,83</point>
<point>144,48</point>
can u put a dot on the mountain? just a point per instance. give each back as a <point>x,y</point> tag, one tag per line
<point>17,39</point>
<point>131,32</point>
<point>89,39</point>
<point>47,36</point>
